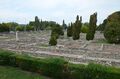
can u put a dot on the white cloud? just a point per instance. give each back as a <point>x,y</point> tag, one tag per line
<point>14,16</point>
<point>25,10</point>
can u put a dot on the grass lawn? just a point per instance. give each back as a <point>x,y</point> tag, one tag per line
<point>15,73</point>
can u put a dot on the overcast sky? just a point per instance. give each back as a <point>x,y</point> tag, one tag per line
<point>22,11</point>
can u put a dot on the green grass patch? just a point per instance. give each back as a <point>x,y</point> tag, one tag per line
<point>7,72</point>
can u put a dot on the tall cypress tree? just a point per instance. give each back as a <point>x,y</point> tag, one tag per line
<point>69,30</point>
<point>80,25</point>
<point>64,25</point>
<point>41,25</point>
<point>92,27</point>
<point>77,28</point>
<point>37,23</point>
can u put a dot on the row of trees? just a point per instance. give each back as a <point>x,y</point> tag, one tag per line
<point>73,30</point>
<point>6,27</point>
<point>12,26</point>
<point>110,27</point>
<point>36,25</point>
<point>76,28</point>
<point>43,25</point>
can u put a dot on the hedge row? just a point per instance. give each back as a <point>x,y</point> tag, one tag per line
<point>58,68</point>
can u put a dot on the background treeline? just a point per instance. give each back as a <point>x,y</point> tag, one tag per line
<point>75,28</point>
<point>32,26</point>
<point>36,25</point>
<point>110,28</point>
<point>6,27</point>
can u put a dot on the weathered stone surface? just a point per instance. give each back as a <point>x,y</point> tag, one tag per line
<point>79,51</point>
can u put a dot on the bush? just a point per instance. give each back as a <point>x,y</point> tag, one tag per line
<point>57,68</point>
<point>76,36</point>
<point>54,67</point>
<point>112,32</point>
<point>55,35</point>
<point>4,27</point>
<point>69,31</point>
<point>89,36</point>
<point>5,57</point>
<point>76,71</point>
<point>53,41</point>
<point>19,28</point>
<point>95,71</point>
<point>29,28</point>
<point>84,29</point>
<point>58,30</point>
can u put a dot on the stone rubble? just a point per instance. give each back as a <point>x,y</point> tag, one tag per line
<point>79,51</point>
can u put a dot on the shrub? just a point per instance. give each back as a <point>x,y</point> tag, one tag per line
<point>29,28</point>
<point>53,41</point>
<point>54,67</point>
<point>76,71</point>
<point>4,27</point>
<point>5,57</point>
<point>84,29</point>
<point>55,35</point>
<point>112,32</point>
<point>75,35</point>
<point>95,71</point>
<point>69,31</point>
<point>19,28</point>
<point>57,68</point>
<point>58,30</point>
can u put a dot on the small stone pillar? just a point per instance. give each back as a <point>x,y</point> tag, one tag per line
<point>102,47</point>
<point>17,38</point>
